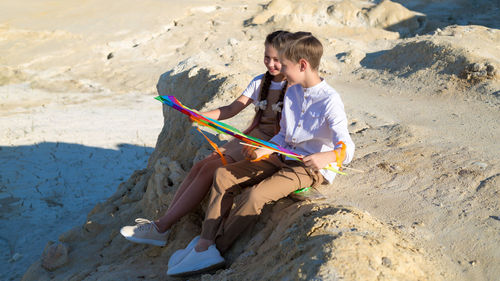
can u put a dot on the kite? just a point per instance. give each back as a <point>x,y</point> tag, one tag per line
<point>221,127</point>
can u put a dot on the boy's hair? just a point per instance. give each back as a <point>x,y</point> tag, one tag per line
<point>301,45</point>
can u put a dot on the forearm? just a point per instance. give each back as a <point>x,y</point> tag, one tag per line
<point>228,111</point>
<point>259,153</point>
<point>321,160</point>
<point>328,157</point>
<point>220,113</point>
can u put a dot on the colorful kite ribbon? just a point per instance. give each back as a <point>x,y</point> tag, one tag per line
<point>215,147</point>
<point>221,127</point>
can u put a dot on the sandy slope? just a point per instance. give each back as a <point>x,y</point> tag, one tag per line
<point>79,79</point>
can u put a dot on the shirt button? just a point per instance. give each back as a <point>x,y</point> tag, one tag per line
<point>298,125</point>
<point>303,111</point>
<point>293,139</point>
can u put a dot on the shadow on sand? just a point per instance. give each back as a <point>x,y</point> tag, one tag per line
<point>441,14</point>
<point>48,188</point>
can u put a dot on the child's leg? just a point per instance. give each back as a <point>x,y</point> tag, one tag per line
<point>192,193</point>
<point>188,195</point>
<point>191,176</point>
<point>292,176</point>
<point>228,181</point>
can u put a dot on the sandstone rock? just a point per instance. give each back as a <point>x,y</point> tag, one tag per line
<point>54,256</point>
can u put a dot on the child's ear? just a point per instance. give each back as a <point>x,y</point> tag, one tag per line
<point>303,64</point>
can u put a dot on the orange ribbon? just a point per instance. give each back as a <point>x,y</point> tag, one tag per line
<point>341,157</point>
<point>265,156</point>
<point>215,147</point>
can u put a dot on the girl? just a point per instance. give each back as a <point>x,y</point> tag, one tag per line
<point>267,92</point>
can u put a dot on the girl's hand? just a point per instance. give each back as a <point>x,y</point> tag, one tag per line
<point>320,160</point>
<point>247,151</point>
<point>260,153</point>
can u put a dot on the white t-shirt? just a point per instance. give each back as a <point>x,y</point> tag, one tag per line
<point>252,90</point>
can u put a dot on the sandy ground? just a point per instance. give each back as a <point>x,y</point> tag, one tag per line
<point>77,81</point>
<point>58,159</point>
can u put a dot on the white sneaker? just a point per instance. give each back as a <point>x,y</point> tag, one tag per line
<point>145,232</point>
<point>197,262</point>
<point>179,255</point>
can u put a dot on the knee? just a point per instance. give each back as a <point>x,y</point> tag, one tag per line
<point>221,173</point>
<point>209,168</point>
<point>221,183</point>
<point>198,165</point>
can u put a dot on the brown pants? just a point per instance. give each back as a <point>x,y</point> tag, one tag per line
<point>250,185</point>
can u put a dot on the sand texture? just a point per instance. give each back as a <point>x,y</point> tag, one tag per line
<point>85,149</point>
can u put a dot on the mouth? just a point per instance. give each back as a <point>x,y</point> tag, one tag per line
<point>273,70</point>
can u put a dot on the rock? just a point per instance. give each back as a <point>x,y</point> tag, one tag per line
<point>15,257</point>
<point>490,69</point>
<point>54,256</point>
<point>386,261</point>
<point>395,17</point>
<point>92,227</point>
<point>475,67</point>
<point>480,164</point>
<point>232,42</point>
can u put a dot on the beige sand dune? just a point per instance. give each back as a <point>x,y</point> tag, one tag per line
<point>420,84</point>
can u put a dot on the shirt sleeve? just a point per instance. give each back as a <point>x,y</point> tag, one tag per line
<point>252,90</point>
<point>337,120</point>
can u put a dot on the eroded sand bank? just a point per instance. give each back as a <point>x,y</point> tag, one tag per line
<point>420,87</point>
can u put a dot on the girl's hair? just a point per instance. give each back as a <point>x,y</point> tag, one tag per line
<point>266,83</point>
<point>278,114</point>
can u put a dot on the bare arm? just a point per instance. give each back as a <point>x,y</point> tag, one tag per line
<point>320,160</point>
<point>228,111</point>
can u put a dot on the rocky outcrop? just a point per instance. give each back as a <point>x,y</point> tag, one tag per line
<point>446,52</point>
<point>292,240</point>
<point>386,15</point>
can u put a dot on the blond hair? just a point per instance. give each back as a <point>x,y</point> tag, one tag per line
<point>301,45</point>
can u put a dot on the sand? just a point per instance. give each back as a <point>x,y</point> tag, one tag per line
<point>85,149</point>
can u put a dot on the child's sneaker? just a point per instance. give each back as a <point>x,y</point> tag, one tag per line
<point>307,194</point>
<point>179,255</point>
<point>145,232</point>
<point>197,262</point>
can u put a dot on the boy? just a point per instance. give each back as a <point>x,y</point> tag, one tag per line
<point>312,122</point>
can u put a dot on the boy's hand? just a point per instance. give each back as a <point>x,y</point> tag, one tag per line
<point>320,160</point>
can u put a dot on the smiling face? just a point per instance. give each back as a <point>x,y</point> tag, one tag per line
<point>291,70</point>
<point>271,60</point>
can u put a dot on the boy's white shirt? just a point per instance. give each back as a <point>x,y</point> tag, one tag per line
<point>313,120</point>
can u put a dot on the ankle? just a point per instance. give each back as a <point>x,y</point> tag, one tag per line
<point>203,245</point>
<point>160,227</point>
